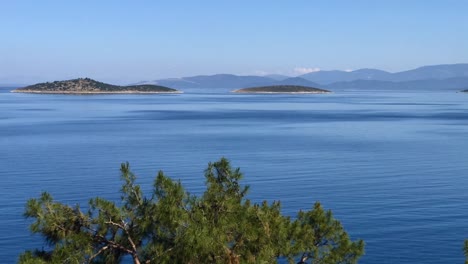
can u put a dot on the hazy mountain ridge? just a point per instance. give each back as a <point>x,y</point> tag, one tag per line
<point>451,84</point>
<point>217,81</point>
<point>277,77</point>
<point>435,77</point>
<point>445,77</point>
<point>328,77</point>
<point>227,82</point>
<point>437,72</point>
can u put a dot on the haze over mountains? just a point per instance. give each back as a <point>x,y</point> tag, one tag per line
<point>448,77</point>
<point>436,77</point>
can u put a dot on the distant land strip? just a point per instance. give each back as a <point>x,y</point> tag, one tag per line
<point>290,89</point>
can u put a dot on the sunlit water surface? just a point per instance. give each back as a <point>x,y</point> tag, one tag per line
<point>393,166</point>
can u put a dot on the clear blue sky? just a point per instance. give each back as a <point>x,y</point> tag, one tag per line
<point>127,41</point>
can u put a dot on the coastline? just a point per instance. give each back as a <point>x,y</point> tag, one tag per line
<point>95,92</point>
<point>259,92</point>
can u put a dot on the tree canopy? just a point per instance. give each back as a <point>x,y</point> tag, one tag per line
<point>173,226</point>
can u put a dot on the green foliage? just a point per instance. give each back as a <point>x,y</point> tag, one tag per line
<point>172,226</point>
<point>465,250</point>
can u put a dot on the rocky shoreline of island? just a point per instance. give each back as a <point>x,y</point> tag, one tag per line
<point>94,92</point>
<point>282,89</point>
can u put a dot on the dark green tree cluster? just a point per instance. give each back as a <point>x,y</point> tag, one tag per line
<point>173,226</point>
<point>465,250</point>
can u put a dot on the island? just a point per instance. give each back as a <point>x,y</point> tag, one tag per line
<point>290,89</point>
<point>465,91</point>
<point>89,86</point>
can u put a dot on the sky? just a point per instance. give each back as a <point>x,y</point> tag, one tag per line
<point>130,41</point>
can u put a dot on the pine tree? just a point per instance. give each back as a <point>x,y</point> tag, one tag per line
<point>173,226</point>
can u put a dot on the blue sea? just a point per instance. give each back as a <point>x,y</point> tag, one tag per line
<point>392,166</point>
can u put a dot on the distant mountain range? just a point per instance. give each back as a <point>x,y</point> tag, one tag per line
<point>436,77</point>
<point>437,72</point>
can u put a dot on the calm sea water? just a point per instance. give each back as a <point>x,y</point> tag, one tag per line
<point>392,166</point>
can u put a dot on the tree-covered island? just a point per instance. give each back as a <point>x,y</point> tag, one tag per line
<point>89,86</point>
<point>282,89</point>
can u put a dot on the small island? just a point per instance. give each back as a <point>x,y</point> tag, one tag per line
<point>465,91</point>
<point>89,86</point>
<point>281,89</point>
